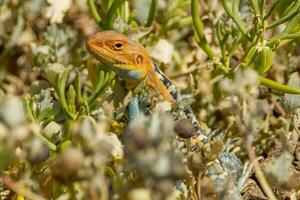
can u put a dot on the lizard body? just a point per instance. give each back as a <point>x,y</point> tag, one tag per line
<point>130,61</point>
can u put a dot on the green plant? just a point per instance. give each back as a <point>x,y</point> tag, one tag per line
<point>259,51</point>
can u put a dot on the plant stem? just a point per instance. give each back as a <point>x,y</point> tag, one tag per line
<point>28,110</point>
<point>47,142</point>
<point>78,89</point>
<point>199,30</point>
<point>271,10</point>
<point>255,7</point>
<point>94,12</point>
<point>112,12</point>
<point>282,20</point>
<point>277,86</point>
<point>152,13</point>
<point>236,19</point>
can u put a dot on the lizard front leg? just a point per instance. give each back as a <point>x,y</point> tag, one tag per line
<point>133,108</point>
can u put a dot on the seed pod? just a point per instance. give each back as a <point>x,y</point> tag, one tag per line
<point>67,165</point>
<point>184,128</point>
<point>164,187</point>
<point>53,132</point>
<point>37,151</point>
<point>196,162</point>
<point>136,139</point>
<point>260,58</point>
<point>263,60</point>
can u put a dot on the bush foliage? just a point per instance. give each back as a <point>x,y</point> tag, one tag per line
<point>64,134</point>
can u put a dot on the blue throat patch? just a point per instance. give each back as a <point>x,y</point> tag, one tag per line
<point>129,75</point>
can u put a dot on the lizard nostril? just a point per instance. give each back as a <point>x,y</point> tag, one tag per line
<point>99,43</point>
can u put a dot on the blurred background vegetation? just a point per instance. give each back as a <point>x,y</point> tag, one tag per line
<point>236,63</point>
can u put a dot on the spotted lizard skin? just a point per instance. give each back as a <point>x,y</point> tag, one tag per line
<point>226,170</point>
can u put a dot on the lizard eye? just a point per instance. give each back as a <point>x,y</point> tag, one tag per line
<point>139,60</point>
<point>118,46</point>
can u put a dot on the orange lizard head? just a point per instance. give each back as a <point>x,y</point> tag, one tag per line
<point>127,58</point>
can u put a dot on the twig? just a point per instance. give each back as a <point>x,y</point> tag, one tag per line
<point>277,106</point>
<point>19,189</point>
<point>93,192</point>
<point>199,186</point>
<point>104,190</point>
<point>188,71</point>
<point>259,173</point>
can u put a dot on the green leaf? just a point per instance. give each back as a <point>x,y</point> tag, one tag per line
<point>61,81</point>
<point>45,104</point>
<point>28,110</point>
<point>71,99</point>
<point>234,15</point>
<point>152,12</point>
<point>250,55</point>
<point>103,80</point>
<point>281,6</point>
<point>293,26</point>
<point>291,32</point>
<point>93,9</point>
<point>44,99</point>
<point>288,16</point>
<point>112,13</point>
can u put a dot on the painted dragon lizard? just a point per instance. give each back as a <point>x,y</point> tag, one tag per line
<point>130,61</point>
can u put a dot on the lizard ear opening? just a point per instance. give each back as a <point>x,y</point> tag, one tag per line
<point>138,60</point>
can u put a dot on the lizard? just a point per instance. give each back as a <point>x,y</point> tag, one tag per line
<point>130,60</point>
